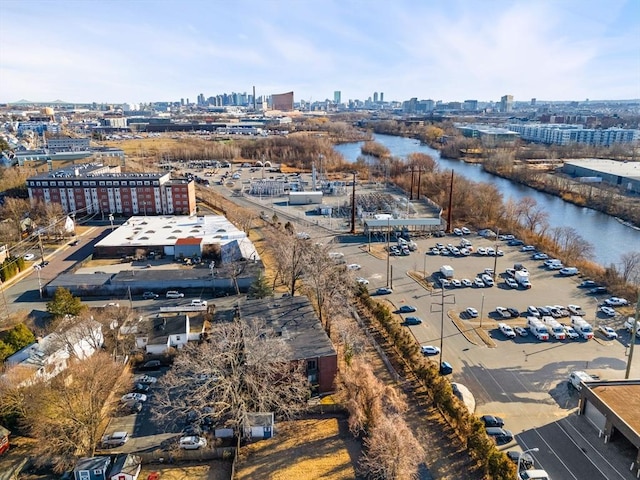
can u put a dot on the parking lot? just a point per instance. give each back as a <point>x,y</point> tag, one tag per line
<point>521,379</point>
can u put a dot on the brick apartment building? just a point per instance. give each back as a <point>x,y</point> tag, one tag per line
<point>97,188</point>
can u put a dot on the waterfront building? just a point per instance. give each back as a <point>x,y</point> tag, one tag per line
<point>564,134</point>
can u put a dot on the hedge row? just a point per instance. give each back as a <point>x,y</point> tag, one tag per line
<point>10,267</point>
<point>469,428</point>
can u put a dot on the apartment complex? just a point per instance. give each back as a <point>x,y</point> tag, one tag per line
<point>562,134</point>
<point>96,188</point>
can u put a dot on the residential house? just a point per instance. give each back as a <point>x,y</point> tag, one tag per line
<point>170,331</point>
<point>260,425</point>
<point>48,356</point>
<point>125,467</point>
<point>92,468</point>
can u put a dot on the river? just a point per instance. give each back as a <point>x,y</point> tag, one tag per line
<point>609,237</point>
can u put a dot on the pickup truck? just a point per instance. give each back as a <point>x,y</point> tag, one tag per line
<point>116,439</point>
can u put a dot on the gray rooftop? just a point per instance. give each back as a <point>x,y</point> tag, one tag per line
<point>295,319</point>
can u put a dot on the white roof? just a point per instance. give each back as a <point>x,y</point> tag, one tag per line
<point>149,231</point>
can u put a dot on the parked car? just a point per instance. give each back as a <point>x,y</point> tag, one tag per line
<point>192,442</point>
<point>515,313</point>
<point>354,266</point>
<point>457,231</point>
<point>503,312</point>
<point>136,397</point>
<point>116,439</point>
<point>29,256</point>
<point>429,350</point>
<point>576,310</point>
<point>514,242</point>
<point>540,256</point>
<point>383,291</point>
<point>570,332</point>
<point>608,311</point>
<point>406,309</point>
<point>488,281</point>
<point>412,321</point>
<point>492,421</point>
<point>608,332</point>
<point>466,282</point>
<point>510,282</point>
<point>533,475</point>
<point>146,379</point>
<point>499,435</point>
<point>150,295</point>
<point>456,283</point>
<point>465,231</point>
<point>528,248</point>
<point>362,281</point>
<point>598,290</point>
<point>587,284</point>
<point>526,460</point>
<point>523,332</point>
<point>174,294</point>
<point>141,387</point>
<point>506,330</point>
<point>533,311</point>
<point>482,251</point>
<point>616,302</point>
<point>151,365</point>
<point>444,283</point>
<point>471,312</point>
<point>478,282</point>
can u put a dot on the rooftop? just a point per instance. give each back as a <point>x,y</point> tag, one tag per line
<point>623,398</point>
<point>613,167</point>
<point>294,319</point>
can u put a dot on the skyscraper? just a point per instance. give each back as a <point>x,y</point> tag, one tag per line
<point>381,97</point>
<point>506,103</point>
<point>375,97</point>
<point>337,97</point>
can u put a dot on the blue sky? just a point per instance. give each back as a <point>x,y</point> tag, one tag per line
<point>450,50</point>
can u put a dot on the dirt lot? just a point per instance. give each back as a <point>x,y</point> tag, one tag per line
<point>303,450</point>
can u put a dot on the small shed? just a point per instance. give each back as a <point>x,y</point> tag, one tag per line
<point>4,439</point>
<point>260,425</point>
<point>92,468</point>
<point>126,467</point>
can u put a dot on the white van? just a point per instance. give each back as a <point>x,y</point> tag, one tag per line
<point>568,271</point>
<point>576,378</point>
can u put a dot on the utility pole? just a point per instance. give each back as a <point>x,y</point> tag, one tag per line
<point>411,188</point>
<point>441,304</point>
<point>353,205</point>
<point>40,246</point>
<point>449,215</point>
<point>634,329</point>
<point>419,179</point>
<point>388,245</point>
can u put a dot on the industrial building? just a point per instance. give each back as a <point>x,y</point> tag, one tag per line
<point>209,236</point>
<point>625,175</point>
<point>613,408</point>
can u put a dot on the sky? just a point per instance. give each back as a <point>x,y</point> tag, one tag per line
<point>116,51</point>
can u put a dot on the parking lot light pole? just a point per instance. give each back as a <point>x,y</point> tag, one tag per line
<point>424,266</point>
<point>535,449</point>
<point>481,310</point>
<point>632,341</point>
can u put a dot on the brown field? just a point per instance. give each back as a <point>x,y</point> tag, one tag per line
<point>302,450</point>
<point>215,470</point>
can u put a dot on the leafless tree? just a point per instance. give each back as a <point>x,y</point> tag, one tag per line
<point>532,216</point>
<point>242,367</point>
<point>392,451</point>
<point>630,267</point>
<point>14,211</point>
<point>67,414</point>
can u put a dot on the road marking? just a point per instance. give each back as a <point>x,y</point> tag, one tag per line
<point>553,452</point>
<point>590,444</point>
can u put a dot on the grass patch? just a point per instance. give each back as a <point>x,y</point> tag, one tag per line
<point>305,449</point>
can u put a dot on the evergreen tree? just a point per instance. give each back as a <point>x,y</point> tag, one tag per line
<point>260,288</point>
<point>64,303</point>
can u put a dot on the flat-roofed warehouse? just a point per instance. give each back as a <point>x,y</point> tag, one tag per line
<point>625,175</point>
<point>209,236</point>
<point>613,407</point>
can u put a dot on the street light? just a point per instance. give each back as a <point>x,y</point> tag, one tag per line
<point>424,266</point>
<point>535,449</point>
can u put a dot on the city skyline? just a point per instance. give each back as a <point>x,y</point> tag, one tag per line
<point>147,51</point>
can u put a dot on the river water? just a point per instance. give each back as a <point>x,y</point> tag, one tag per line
<point>608,236</point>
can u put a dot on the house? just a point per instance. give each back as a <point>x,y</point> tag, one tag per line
<point>125,467</point>
<point>92,468</point>
<point>48,356</point>
<point>4,439</point>
<point>170,331</point>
